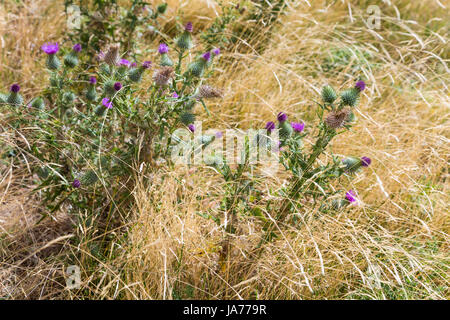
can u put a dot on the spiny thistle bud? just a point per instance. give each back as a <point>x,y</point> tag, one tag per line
<point>350,97</point>
<point>51,49</point>
<point>187,117</point>
<point>285,129</point>
<point>197,67</point>
<point>191,127</point>
<point>112,56</point>
<point>328,94</point>
<point>161,8</point>
<point>14,97</point>
<point>68,97</point>
<point>37,103</point>
<point>184,41</point>
<point>71,59</point>
<point>208,92</point>
<point>163,76</point>
<point>89,178</point>
<point>109,88</point>
<point>135,74</point>
<point>352,164</point>
<point>336,119</point>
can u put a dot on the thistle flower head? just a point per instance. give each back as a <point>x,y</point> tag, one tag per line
<point>15,88</point>
<point>206,56</point>
<point>117,86</point>
<point>360,85</point>
<point>270,126</point>
<point>282,117</point>
<point>124,62</point>
<point>365,161</point>
<point>208,92</point>
<point>77,47</point>
<point>216,51</point>
<point>163,48</point>
<point>191,127</point>
<point>350,196</point>
<point>134,64</point>
<point>92,80</point>
<point>107,103</point>
<point>350,97</point>
<point>336,119</point>
<point>163,76</point>
<point>175,95</point>
<point>298,126</point>
<point>50,48</point>
<point>147,64</point>
<point>189,27</point>
<point>76,183</point>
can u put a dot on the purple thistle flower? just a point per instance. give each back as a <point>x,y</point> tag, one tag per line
<point>360,85</point>
<point>50,48</point>
<point>219,134</point>
<point>191,127</point>
<point>365,161</point>
<point>175,95</point>
<point>270,126</point>
<point>76,183</point>
<point>163,48</point>
<point>15,88</point>
<point>206,56</point>
<point>133,64</point>
<point>77,47</point>
<point>350,196</point>
<point>216,51</point>
<point>93,80</point>
<point>282,117</point>
<point>189,27</point>
<point>107,103</point>
<point>124,62</point>
<point>298,126</point>
<point>146,64</point>
<point>117,86</point>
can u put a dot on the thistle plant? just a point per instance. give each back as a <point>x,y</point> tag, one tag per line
<point>312,181</point>
<point>90,126</point>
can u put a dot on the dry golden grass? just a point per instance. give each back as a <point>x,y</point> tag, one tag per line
<point>395,245</point>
